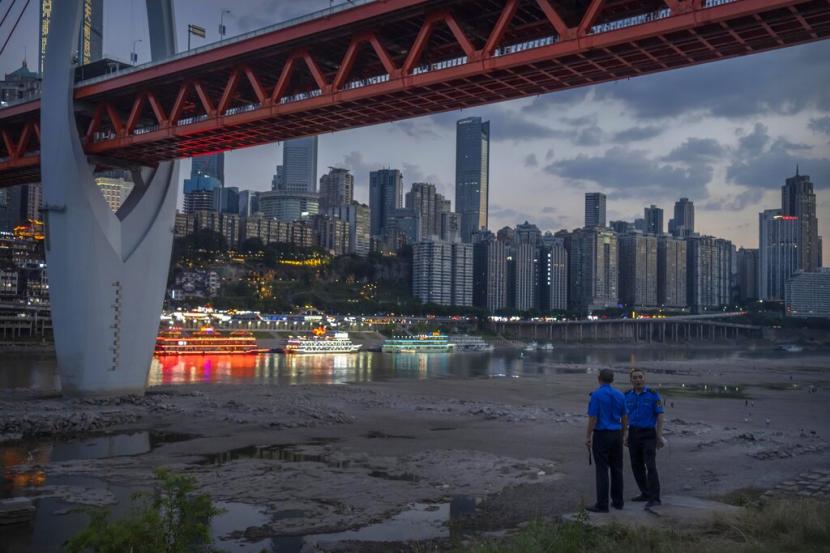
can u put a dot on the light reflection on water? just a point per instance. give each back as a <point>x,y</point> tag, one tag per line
<point>39,371</point>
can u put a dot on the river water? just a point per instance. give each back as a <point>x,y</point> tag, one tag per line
<point>40,371</point>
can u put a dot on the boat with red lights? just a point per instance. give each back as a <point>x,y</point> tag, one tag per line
<point>206,341</point>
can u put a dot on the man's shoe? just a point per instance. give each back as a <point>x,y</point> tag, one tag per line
<point>618,507</point>
<point>653,503</point>
<point>595,509</point>
<point>640,498</point>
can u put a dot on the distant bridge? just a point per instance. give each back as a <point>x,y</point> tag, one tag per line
<point>669,330</point>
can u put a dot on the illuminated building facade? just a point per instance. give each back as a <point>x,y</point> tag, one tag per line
<point>91,37</point>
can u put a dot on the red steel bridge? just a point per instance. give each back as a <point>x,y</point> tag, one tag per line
<point>387,60</point>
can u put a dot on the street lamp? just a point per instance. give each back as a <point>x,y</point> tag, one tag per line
<point>222,28</point>
<point>133,55</point>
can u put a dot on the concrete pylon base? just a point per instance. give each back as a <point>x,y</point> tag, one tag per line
<point>107,272</point>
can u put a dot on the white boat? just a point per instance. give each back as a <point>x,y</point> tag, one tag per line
<point>339,343</point>
<point>532,346</point>
<point>547,347</point>
<point>465,342</point>
<point>427,343</point>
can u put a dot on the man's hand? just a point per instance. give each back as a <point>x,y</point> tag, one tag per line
<point>625,439</point>
<point>661,441</point>
<point>588,442</point>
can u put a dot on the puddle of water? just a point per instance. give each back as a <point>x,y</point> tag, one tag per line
<point>290,453</point>
<point>378,434</point>
<point>237,517</point>
<point>42,452</point>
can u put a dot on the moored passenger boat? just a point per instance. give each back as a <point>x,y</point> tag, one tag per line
<point>339,343</point>
<point>425,343</point>
<point>206,341</point>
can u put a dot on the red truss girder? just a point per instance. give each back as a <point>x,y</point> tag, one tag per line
<point>426,56</point>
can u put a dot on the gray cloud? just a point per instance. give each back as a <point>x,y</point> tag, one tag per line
<point>531,161</point>
<point>820,124</point>
<point>755,142</point>
<point>360,168</point>
<point>415,129</point>
<point>766,167</point>
<point>630,173</point>
<point>588,136</point>
<point>582,121</point>
<point>696,150</point>
<point>785,81</point>
<point>737,202</point>
<point>548,209</point>
<point>637,133</point>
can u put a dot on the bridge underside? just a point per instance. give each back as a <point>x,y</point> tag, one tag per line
<point>393,60</point>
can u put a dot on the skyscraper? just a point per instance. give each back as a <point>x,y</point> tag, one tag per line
<point>472,172</point>
<point>708,270</point>
<point>385,189</point>
<point>212,165</point>
<point>336,188</point>
<point>553,275</point>
<point>431,204</point>
<point>357,216</point>
<point>489,272</point>
<point>442,272</point>
<point>91,37</point>
<point>799,200</point>
<point>638,269</point>
<point>299,165</point>
<point>778,252</point>
<point>747,274</point>
<point>653,217</point>
<point>202,193</point>
<point>671,272</point>
<point>593,269</point>
<point>594,209</point>
<point>683,223</point>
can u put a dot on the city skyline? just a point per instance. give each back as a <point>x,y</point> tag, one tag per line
<point>726,136</point>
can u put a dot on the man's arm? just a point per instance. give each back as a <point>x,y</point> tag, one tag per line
<point>659,430</point>
<point>592,422</point>
<point>625,430</point>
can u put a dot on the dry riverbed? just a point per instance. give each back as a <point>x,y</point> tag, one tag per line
<point>487,453</point>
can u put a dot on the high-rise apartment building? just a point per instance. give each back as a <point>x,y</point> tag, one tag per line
<point>709,268</point>
<point>653,217</point>
<point>299,165</point>
<point>799,200</point>
<point>553,275</point>
<point>357,217</point>
<point>489,271</point>
<point>808,294</point>
<point>336,188</point>
<point>332,234</point>
<point>779,238</point>
<point>385,194</point>
<point>621,227</point>
<point>747,260</point>
<point>430,204</point>
<point>442,272</point>
<point>90,39</point>
<point>638,270</point>
<point>450,230</point>
<point>593,269</point>
<point>671,272</point>
<point>683,223</point>
<point>248,203</point>
<point>115,190</point>
<point>594,209</point>
<point>472,174</point>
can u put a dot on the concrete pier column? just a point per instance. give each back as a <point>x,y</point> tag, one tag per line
<point>107,271</point>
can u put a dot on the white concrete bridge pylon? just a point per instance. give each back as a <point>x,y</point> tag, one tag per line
<point>107,271</point>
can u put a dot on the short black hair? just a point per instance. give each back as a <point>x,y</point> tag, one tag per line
<point>606,376</point>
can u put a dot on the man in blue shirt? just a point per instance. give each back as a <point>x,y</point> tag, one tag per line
<point>606,426</point>
<point>645,436</point>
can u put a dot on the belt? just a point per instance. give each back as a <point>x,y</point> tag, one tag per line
<point>606,430</point>
<point>637,428</point>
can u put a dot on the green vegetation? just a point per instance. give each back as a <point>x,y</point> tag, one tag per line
<point>782,526</point>
<point>170,520</point>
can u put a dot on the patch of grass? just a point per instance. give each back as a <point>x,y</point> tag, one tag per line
<point>743,497</point>
<point>778,526</point>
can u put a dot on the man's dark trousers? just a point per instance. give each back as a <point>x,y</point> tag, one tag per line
<point>607,449</point>
<point>642,446</point>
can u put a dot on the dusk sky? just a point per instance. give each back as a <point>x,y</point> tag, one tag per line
<point>724,134</point>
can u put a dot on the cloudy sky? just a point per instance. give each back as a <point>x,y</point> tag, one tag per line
<point>725,134</point>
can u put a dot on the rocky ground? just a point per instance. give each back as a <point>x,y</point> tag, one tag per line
<point>323,459</point>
